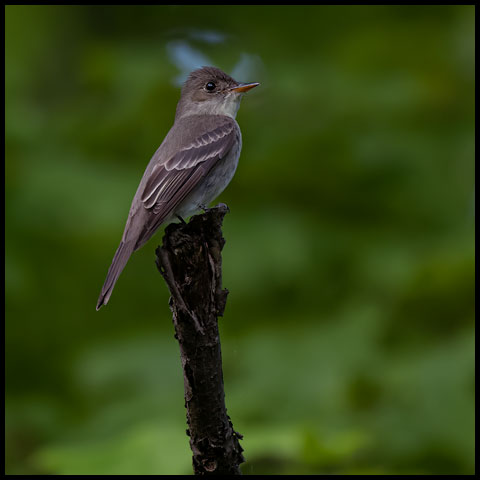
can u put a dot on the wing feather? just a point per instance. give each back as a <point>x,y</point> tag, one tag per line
<point>209,145</point>
<point>171,181</point>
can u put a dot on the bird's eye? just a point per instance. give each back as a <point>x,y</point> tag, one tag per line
<point>210,86</point>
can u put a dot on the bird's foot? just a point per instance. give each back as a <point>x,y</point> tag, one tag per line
<point>203,207</point>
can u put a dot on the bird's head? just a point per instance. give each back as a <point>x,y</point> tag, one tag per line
<point>209,91</point>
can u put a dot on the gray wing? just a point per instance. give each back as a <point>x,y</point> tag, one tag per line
<point>170,183</point>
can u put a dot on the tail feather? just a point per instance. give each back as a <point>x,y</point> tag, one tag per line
<point>123,253</point>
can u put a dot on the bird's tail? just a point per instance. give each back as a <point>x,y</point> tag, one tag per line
<point>123,253</point>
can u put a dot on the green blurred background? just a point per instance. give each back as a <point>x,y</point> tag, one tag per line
<point>348,337</point>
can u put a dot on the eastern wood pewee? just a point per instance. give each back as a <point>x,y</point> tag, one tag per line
<point>192,166</point>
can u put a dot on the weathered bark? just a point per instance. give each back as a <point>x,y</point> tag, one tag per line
<point>190,262</point>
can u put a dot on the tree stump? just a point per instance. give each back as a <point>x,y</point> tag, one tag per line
<point>190,261</point>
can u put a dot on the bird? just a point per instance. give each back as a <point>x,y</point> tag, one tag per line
<point>193,165</point>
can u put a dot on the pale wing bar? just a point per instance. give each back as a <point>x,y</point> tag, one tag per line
<point>165,177</point>
<point>170,183</point>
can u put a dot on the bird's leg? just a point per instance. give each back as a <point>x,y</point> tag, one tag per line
<point>181,219</point>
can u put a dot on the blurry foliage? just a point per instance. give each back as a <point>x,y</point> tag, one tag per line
<point>348,335</point>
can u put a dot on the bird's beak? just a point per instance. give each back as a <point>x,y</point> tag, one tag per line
<point>244,87</point>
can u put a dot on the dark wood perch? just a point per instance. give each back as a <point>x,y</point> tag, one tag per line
<point>190,261</point>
